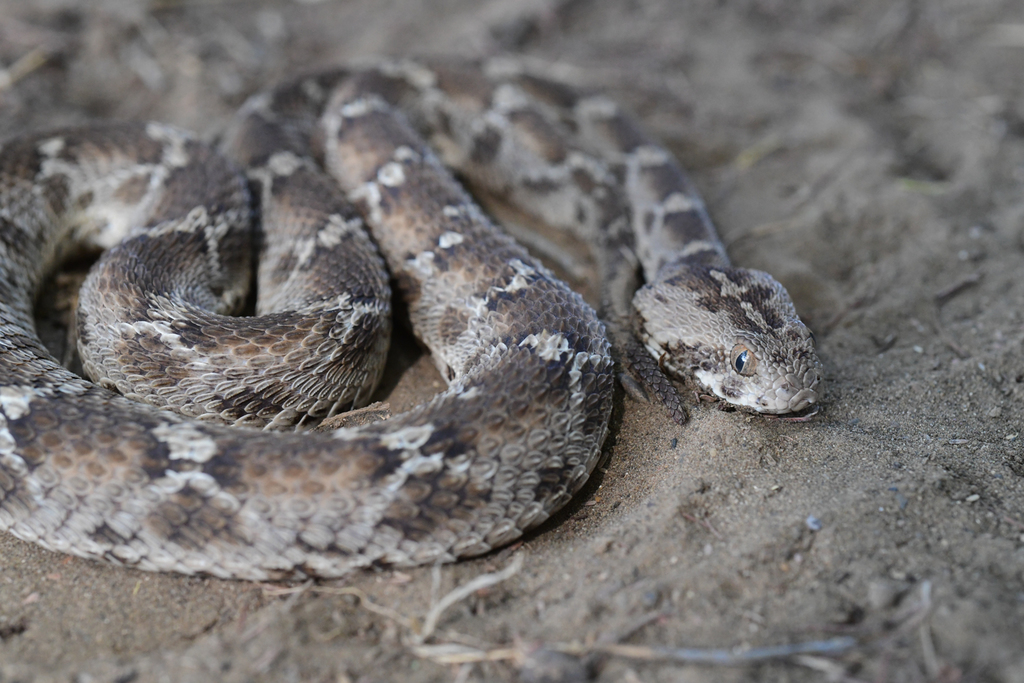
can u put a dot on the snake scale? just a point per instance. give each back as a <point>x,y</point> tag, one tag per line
<point>147,468</point>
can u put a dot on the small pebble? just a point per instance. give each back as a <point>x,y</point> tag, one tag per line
<point>995,412</point>
<point>813,523</point>
<point>972,498</point>
<point>882,594</point>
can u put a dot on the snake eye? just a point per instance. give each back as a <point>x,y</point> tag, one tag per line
<point>743,360</point>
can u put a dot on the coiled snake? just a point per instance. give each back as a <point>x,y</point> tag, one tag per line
<point>85,470</point>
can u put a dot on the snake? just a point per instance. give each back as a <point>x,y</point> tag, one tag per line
<point>189,450</point>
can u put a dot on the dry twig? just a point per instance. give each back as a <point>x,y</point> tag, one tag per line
<point>23,66</point>
<point>703,522</point>
<point>464,591</point>
<point>947,293</point>
<point>420,630</point>
<point>808,653</point>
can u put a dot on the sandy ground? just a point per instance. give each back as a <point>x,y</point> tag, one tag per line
<point>869,153</point>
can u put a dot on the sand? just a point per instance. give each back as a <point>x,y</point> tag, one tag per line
<point>869,154</point>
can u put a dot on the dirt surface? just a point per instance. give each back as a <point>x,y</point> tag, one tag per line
<point>869,153</point>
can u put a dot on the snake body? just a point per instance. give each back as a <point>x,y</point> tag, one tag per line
<point>87,471</point>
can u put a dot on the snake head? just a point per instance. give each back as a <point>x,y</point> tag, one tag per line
<point>735,331</point>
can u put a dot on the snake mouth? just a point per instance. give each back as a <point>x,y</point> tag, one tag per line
<point>805,415</point>
<point>802,401</point>
<point>802,404</point>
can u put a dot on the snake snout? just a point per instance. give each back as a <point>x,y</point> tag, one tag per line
<point>794,392</point>
<point>803,389</point>
<point>802,399</point>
